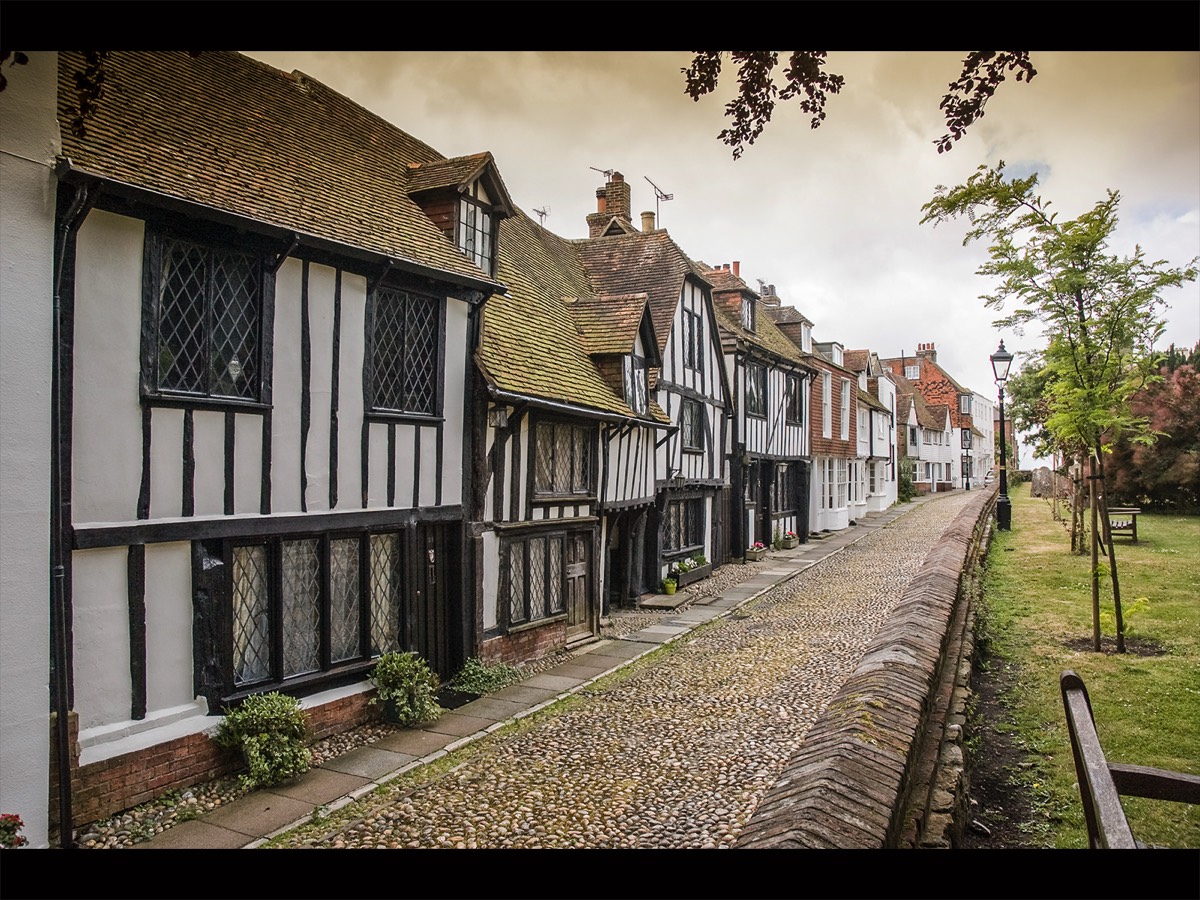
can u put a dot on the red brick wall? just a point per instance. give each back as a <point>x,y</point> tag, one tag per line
<point>102,789</point>
<point>525,646</point>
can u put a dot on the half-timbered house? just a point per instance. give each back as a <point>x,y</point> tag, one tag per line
<point>689,383</point>
<point>566,474</point>
<point>770,446</point>
<point>268,299</point>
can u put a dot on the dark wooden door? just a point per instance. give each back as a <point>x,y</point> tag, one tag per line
<point>429,607</point>
<point>579,607</point>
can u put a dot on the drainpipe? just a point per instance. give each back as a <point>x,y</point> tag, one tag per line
<point>60,520</point>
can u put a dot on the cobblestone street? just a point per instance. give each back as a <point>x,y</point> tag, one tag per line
<point>676,751</point>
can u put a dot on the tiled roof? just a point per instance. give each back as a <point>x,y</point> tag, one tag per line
<point>640,262</point>
<point>609,324</point>
<point>225,131</point>
<point>766,335</point>
<point>868,399</point>
<point>856,360</point>
<point>530,343</point>
<point>457,173</point>
<point>787,314</point>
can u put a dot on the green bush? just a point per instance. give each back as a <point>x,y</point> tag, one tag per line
<point>271,732</point>
<point>904,482</point>
<point>476,677</point>
<point>407,687</point>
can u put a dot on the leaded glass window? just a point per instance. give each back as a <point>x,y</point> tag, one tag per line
<point>385,593</point>
<point>756,389</point>
<point>794,408</point>
<point>301,607</point>
<point>345,599</point>
<point>405,352</point>
<point>534,577</point>
<point>251,616</point>
<point>691,424</point>
<point>562,458</point>
<point>636,383</point>
<point>204,319</point>
<point>693,338</point>
<point>683,525</point>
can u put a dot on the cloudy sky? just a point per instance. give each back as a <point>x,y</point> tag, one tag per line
<point>829,216</point>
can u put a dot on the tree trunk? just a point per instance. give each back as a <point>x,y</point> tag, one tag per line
<point>1095,561</point>
<point>1112,551</point>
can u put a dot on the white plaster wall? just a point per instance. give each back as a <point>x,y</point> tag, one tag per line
<point>491,578</point>
<point>455,396</point>
<point>377,461</point>
<point>247,463</point>
<point>350,391</point>
<point>208,448</point>
<point>285,391</point>
<point>320,386</point>
<point>28,143</point>
<point>166,462</point>
<point>101,612</point>
<point>406,442</point>
<point>107,416</point>
<point>168,626</point>
<point>429,465</point>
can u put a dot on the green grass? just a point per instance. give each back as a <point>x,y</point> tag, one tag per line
<point>1037,618</point>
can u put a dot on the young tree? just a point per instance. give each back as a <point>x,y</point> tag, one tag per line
<point>1101,314</point>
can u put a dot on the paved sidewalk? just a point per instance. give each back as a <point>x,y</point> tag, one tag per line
<point>251,820</point>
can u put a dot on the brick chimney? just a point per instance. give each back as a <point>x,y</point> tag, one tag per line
<point>647,221</point>
<point>928,351</point>
<point>611,201</point>
<point>768,296</point>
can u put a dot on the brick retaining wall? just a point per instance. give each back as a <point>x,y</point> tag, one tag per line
<point>883,766</point>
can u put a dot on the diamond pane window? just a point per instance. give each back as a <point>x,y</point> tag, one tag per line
<point>691,421</point>
<point>405,352</point>
<point>563,458</point>
<point>794,410</point>
<point>683,528</point>
<point>535,577</point>
<point>344,599</point>
<point>756,389</point>
<point>385,593</point>
<point>251,616</point>
<point>301,607</point>
<point>206,320</point>
<point>475,229</point>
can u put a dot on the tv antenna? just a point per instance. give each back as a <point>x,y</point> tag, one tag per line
<point>607,173</point>
<point>658,196</point>
<point>542,213</point>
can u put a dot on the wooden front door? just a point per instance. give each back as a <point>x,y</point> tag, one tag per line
<point>579,606</point>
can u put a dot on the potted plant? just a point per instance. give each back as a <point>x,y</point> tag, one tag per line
<point>10,832</point>
<point>790,540</point>
<point>756,552</point>
<point>670,584</point>
<point>271,733</point>
<point>407,688</point>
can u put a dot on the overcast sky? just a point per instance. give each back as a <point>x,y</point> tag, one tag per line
<point>829,216</point>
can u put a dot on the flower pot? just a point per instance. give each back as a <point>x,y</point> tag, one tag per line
<point>753,555</point>
<point>694,574</point>
<point>669,587</point>
<point>791,543</point>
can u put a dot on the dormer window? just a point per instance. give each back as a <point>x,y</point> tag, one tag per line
<point>637,388</point>
<point>964,404</point>
<point>476,226</point>
<point>748,313</point>
<point>912,373</point>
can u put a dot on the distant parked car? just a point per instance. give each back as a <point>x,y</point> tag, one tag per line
<point>989,477</point>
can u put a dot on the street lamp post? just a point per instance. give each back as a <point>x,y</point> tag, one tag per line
<point>1001,360</point>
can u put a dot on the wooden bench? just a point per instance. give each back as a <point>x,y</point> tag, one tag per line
<point>1102,783</point>
<point>1122,520</point>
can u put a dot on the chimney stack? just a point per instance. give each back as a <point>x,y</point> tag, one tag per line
<point>737,268</point>
<point>647,221</point>
<point>612,201</point>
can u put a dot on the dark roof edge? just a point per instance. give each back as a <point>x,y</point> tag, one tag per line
<point>573,409</point>
<point>67,171</point>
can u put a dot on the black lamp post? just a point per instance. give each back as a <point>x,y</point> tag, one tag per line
<point>1001,360</point>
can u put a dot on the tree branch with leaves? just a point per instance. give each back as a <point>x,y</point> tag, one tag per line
<point>804,76</point>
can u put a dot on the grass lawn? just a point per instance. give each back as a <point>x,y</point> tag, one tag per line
<point>1037,616</point>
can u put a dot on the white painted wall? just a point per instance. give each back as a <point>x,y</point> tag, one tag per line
<point>107,416</point>
<point>100,601</point>
<point>168,626</point>
<point>29,141</point>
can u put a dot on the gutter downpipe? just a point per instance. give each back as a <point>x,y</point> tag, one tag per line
<point>60,518</point>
